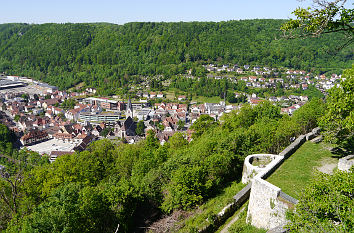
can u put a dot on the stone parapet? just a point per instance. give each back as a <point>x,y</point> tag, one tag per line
<point>250,171</point>
<point>267,203</point>
<point>293,146</point>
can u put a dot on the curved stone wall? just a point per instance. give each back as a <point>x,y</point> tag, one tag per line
<point>267,203</point>
<point>250,171</point>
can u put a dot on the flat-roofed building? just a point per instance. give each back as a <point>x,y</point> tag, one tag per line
<point>103,102</point>
<point>7,84</point>
<point>102,117</point>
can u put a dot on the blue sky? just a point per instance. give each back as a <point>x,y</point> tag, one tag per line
<point>123,11</point>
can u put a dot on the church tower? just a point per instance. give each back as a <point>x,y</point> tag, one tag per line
<point>129,111</point>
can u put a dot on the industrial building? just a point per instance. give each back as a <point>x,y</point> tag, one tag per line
<point>8,84</point>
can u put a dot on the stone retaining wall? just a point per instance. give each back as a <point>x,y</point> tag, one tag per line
<point>314,133</point>
<point>293,146</point>
<point>239,199</point>
<point>344,164</point>
<point>250,171</point>
<point>268,204</point>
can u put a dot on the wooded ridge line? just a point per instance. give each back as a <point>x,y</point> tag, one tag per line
<point>106,55</point>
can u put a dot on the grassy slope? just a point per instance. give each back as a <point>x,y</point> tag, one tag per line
<point>204,99</point>
<point>210,208</point>
<point>298,170</point>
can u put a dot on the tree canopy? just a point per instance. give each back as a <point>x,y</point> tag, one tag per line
<point>325,17</point>
<point>338,120</point>
<point>108,56</point>
<point>107,185</point>
<point>326,205</point>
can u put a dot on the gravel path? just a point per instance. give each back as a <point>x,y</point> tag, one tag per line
<point>327,168</point>
<point>225,229</point>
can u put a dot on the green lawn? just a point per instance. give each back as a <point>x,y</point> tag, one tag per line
<point>204,99</point>
<point>170,95</point>
<point>298,170</point>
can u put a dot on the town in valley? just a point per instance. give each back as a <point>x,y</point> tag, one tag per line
<point>55,122</point>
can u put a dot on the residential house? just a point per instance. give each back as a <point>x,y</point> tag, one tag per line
<point>64,136</point>
<point>181,97</point>
<point>255,101</point>
<point>57,111</point>
<point>73,114</point>
<point>160,95</point>
<point>144,114</point>
<point>85,142</point>
<point>29,108</point>
<point>164,136</point>
<point>56,154</point>
<point>49,102</point>
<point>34,136</point>
<point>152,94</point>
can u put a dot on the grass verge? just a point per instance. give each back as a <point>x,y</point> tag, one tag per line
<point>204,99</point>
<point>296,172</point>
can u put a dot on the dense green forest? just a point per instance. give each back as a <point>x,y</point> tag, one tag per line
<point>95,190</point>
<point>106,55</point>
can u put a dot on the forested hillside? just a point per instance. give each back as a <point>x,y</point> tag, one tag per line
<point>105,55</point>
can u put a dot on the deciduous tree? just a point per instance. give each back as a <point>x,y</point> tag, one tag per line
<point>326,205</point>
<point>338,121</point>
<point>140,127</point>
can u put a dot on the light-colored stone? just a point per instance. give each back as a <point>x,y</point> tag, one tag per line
<point>250,171</point>
<point>266,209</point>
<point>267,204</point>
<point>344,164</point>
<point>317,139</point>
<point>278,229</point>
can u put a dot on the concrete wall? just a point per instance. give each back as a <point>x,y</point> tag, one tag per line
<point>344,164</point>
<point>268,205</point>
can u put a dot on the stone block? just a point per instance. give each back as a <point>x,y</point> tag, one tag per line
<point>344,164</point>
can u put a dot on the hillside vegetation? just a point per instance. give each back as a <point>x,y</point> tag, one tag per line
<point>105,55</point>
<point>95,190</point>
